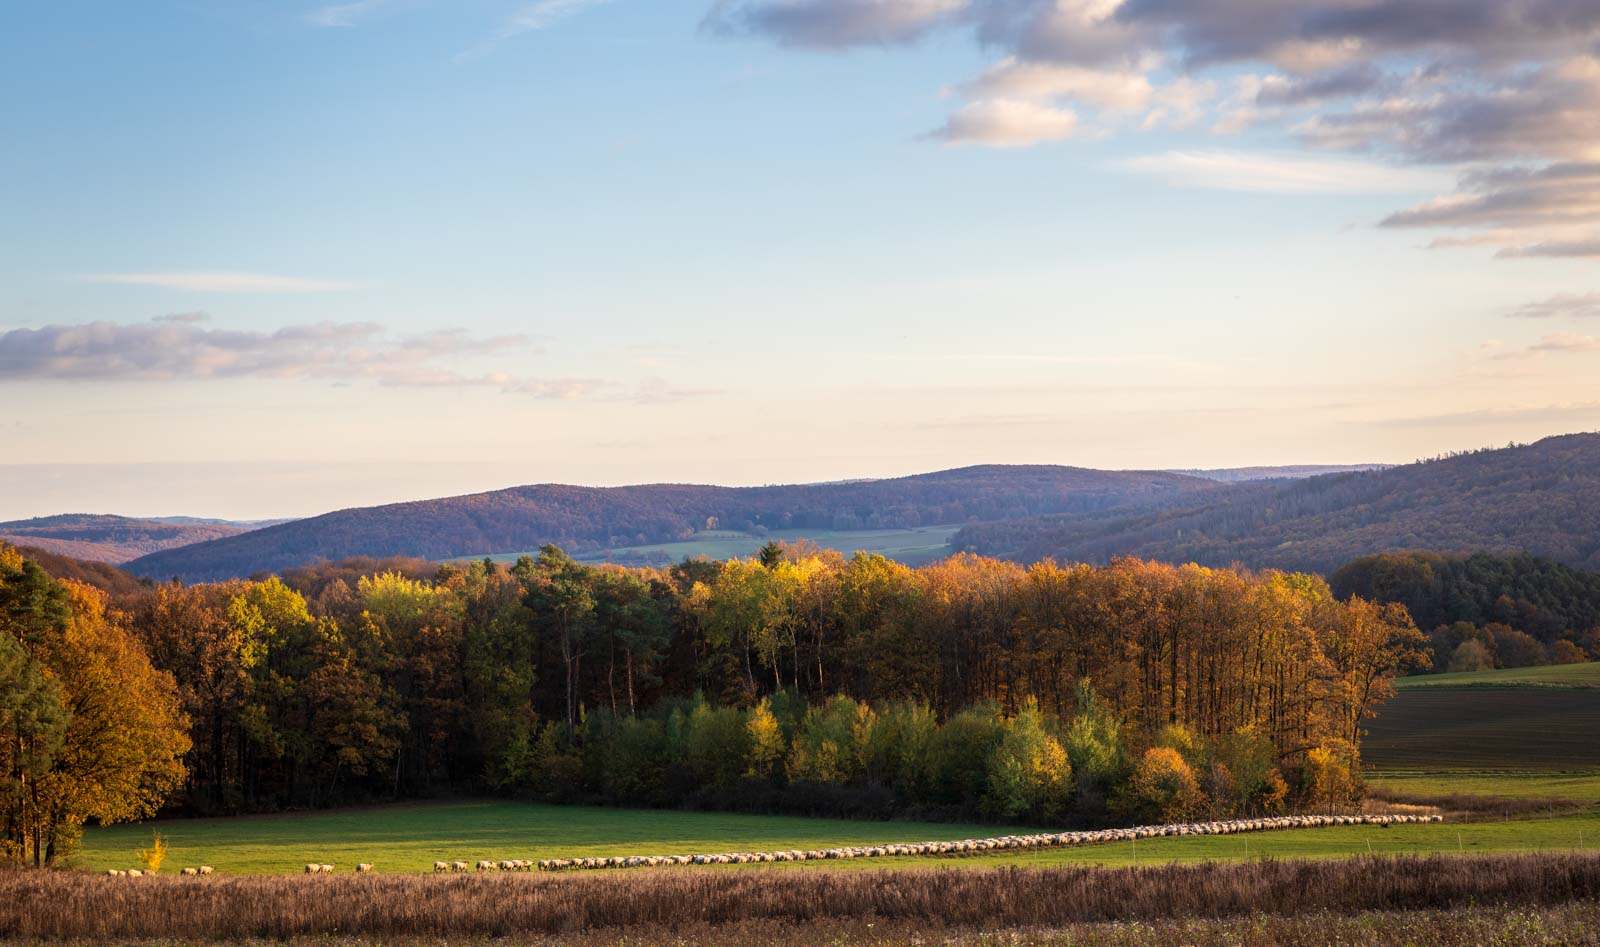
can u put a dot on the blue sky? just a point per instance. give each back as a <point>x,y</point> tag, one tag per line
<point>406,248</point>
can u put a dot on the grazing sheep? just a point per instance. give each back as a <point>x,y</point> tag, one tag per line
<point>486,866</point>
<point>206,869</point>
<point>189,872</point>
<point>312,869</point>
<point>458,866</point>
<point>111,872</point>
<point>135,873</point>
<point>441,866</point>
<point>364,867</point>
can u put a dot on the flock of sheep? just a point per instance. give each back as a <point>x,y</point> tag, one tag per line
<point>972,846</point>
<point>514,864</point>
<point>963,847</point>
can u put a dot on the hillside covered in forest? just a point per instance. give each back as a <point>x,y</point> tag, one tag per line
<point>102,538</point>
<point>584,518</point>
<point>1541,498</point>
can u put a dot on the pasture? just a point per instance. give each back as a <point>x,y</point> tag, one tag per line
<point>1550,675</point>
<point>914,547</point>
<point>410,838</point>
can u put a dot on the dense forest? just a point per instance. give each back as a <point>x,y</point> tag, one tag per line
<point>796,681</point>
<point>99,538</point>
<point>585,518</point>
<point>1485,611</point>
<point>1542,498</point>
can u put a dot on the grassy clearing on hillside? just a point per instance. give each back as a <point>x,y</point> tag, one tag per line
<point>1581,787</point>
<point>1553,675</point>
<point>410,838</point>
<point>913,547</point>
<point>1486,728</point>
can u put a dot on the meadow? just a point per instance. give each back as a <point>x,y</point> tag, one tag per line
<point>914,547</point>
<point>1549,675</point>
<point>410,838</point>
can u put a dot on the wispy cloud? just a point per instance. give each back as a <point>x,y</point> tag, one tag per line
<point>181,347</point>
<point>530,18</point>
<point>344,14</point>
<point>222,282</point>
<point>1279,173</point>
<point>1563,305</point>
<point>1567,342</point>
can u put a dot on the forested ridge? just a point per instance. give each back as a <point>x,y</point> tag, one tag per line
<point>104,538</point>
<point>582,518</point>
<point>797,681</point>
<point>1542,498</point>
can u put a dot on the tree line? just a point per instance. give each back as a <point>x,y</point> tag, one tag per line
<point>798,680</point>
<point>1486,611</point>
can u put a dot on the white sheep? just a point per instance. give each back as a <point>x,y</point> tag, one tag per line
<point>206,869</point>
<point>189,872</point>
<point>441,866</point>
<point>135,873</point>
<point>458,866</point>
<point>312,868</point>
<point>485,865</point>
<point>364,867</point>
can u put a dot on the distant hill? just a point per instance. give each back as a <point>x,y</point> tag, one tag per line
<point>1293,472</point>
<point>588,518</point>
<point>103,538</point>
<point>1542,499</point>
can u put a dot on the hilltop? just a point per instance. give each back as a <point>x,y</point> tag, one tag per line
<point>591,518</point>
<point>1541,498</point>
<point>97,537</point>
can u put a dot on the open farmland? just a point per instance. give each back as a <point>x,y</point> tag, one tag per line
<point>411,838</point>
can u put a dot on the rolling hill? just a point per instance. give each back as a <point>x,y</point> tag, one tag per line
<point>102,538</point>
<point>591,518</point>
<point>1541,498</point>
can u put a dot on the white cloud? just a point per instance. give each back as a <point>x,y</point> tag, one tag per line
<point>222,282</point>
<point>1012,78</point>
<point>1279,173</point>
<point>1006,123</point>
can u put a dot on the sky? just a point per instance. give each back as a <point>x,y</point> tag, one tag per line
<point>264,259</point>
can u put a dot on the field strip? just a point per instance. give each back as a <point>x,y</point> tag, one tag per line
<point>962,847</point>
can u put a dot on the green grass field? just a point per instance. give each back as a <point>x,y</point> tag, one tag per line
<point>410,838</point>
<point>910,546</point>
<point>1555,675</point>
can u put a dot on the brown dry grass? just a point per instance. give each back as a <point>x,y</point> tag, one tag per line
<point>74,905</point>
<point>1570,925</point>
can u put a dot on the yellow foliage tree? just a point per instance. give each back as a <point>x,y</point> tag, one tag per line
<point>766,740</point>
<point>121,753</point>
<point>1165,786</point>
